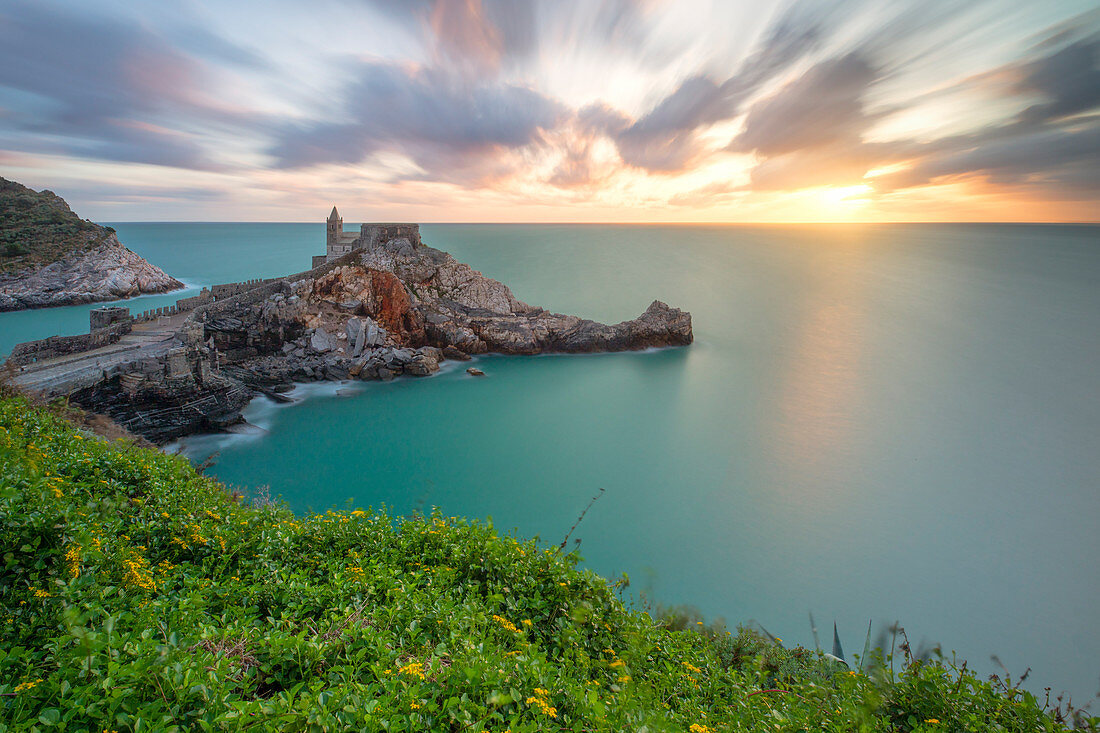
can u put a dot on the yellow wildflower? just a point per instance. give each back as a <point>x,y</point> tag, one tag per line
<point>545,707</point>
<point>696,728</point>
<point>72,559</point>
<point>24,686</point>
<point>138,574</point>
<point>693,668</point>
<point>506,623</point>
<point>933,721</point>
<point>39,593</point>
<point>413,669</point>
<point>196,538</point>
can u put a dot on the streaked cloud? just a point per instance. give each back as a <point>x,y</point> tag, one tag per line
<point>559,108</point>
<point>445,125</point>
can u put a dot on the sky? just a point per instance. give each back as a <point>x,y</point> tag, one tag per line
<point>555,110</point>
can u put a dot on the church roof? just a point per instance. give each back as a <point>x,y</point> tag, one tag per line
<point>334,215</point>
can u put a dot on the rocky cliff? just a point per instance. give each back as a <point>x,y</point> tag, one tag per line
<point>51,257</point>
<point>395,309</point>
<point>402,309</point>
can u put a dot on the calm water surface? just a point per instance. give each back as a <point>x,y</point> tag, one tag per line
<point>875,422</point>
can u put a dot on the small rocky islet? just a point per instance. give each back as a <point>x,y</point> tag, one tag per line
<point>50,257</point>
<point>378,305</point>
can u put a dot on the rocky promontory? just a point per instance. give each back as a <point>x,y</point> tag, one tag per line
<point>395,308</point>
<point>402,309</point>
<point>51,257</point>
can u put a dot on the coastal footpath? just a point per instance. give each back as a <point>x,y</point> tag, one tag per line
<point>51,257</point>
<point>376,306</point>
<point>138,594</point>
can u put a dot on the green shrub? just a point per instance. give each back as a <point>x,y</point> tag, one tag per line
<point>140,595</point>
<point>42,226</point>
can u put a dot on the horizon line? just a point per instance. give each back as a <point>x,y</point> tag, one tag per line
<point>1048,222</point>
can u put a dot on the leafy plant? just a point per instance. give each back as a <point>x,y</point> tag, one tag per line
<point>137,594</point>
<point>38,227</point>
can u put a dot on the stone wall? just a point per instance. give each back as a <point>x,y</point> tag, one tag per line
<point>374,235</point>
<point>105,316</point>
<point>270,287</point>
<point>48,348</point>
<point>154,313</point>
<point>186,304</point>
<point>228,290</point>
<point>208,296</point>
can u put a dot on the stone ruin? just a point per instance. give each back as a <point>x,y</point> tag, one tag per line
<point>339,243</point>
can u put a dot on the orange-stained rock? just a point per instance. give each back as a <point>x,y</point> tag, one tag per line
<point>391,306</point>
<point>382,296</point>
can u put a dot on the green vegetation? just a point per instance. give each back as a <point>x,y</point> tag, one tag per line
<point>139,595</point>
<point>37,228</point>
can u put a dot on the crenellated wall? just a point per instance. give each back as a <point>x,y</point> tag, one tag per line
<point>228,290</point>
<point>186,304</point>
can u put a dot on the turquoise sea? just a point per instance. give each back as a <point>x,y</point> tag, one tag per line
<point>876,422</point>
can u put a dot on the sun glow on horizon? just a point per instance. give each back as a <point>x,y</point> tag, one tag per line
<point>847,195</point>
<point>555,110</point>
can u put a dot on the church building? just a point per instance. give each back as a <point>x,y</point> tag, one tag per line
<point>338,242</point>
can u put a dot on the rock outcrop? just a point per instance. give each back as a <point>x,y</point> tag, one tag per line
<point>424,296</point>
<point>165,393</point>
<point>479,330</point>
<point>395,309</point>
<point>399,309</point>
<point>51,257</point>
<point>105,271</point>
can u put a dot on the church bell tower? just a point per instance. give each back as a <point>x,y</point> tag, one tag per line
<point>333,231</point>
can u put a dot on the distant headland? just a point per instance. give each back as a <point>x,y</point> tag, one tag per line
<point>378,304</point>
<point>51,257</point>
